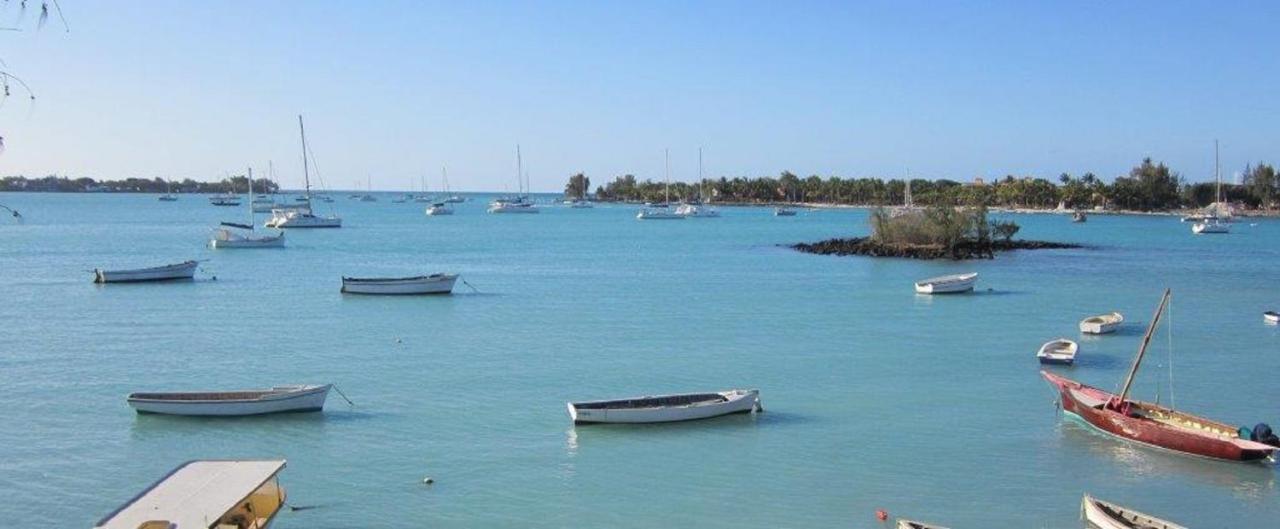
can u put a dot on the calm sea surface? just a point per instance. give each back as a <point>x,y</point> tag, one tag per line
<point>930,408</point>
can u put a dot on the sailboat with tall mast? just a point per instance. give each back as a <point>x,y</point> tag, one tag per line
<point>424,196</point>
<point>168,195</point>
<point>1159,426</point>
<point>302,217</point>
<point>698,208</point>
<point>1214,222</point>
<point>223,237</point>
<point>441,207</point>
<point>660,212</point>
<point>520,203</point>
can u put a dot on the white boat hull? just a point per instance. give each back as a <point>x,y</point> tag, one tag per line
<point>737,401</point>
<point>649,214</point>
<point>227,239</point>
<point>1097,518</point>
<point>185,270</point>
<point>510,208</point>
<point>435,211</point>
<point>947,284</point>
<point>1061,351</point>
<point>1104,324</point>
<point>300,218</point>
<point>433,284</point>
<point>1210,228</point>
<point>297,399</point>
<point>1271,317</point>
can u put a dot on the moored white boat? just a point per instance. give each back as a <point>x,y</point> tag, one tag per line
<point>279,399</point>
<point>224,200</point>
<point>303,217</point>
<point>658,214</point>
<point>696,211</point>
<point>432,284</point>
<point>1060,351</point>
<point>439,208</point>
<point>220,494</point>
<point>1102,323</point>
<point>1271,316</point>
<point>517,205</point>
<point>1211,225</point>
<point>912,524</point>
<point>666,408</point>
<point>949,284</point>
<point>1211,222</point>
<point>183,270</point>
<point>783,211</point>
<point>1099,514</point>
<point>225,238</point>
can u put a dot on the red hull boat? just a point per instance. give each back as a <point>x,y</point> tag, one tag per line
<point>1155,425</point>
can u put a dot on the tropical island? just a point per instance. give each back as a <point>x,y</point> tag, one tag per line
<point>1148,187</point>
<point>62,184</point>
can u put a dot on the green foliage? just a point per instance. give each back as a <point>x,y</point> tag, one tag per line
<point>1005,229</point>
<point>578,186</point>
<point>942,225</point>
<point>235,184</point>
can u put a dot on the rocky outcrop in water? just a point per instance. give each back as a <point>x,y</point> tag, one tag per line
<point>965,250</point>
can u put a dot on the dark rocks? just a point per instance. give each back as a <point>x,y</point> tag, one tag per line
<point>965,250</point>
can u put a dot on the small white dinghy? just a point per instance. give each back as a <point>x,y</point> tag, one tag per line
<point>666,408</point>
<point>207,493</point>
<point>1060,351</point>
<point>279,399</point>
<point>912,524</point>
<point>183,270</point>
<point>1104,515</point>
<point>1102,323</point>
<point>391,286</point>
<point>1271,316</point>
<point>947,284</point>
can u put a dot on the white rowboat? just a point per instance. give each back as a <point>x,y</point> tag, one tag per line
<point>947,284</point>
<point>1099,514</point>
<point>1060,351</point>
<point>217,494</point>
<point>666,408</point>
<point>183,270</point>
<point>1271,316</point>
<point>657,214</point>
<point>432,284</point>
<point>279,399</point>
<point>1102,323</point>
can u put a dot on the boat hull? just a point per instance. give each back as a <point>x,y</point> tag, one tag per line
<point>947,285</point>
<point>1085,402</point>
<point>737,401</point>
<point>232,240</point>
<point>298,219</point>
<point>175,272</point>
<point>1095,514</point>
<point>307,399</point>
<point>409,286</point>
<point>1104,324</point>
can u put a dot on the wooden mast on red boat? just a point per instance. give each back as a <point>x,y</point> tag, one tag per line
<point>1142,350</point>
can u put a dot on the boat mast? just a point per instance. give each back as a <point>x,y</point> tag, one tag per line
<point>700,190</point>
<point>519,172</point>
<point>306,173</point>
<point>251,198</point>
<point>1217,175</point>
<point>666,160</point>
<point>444,175</point>
<point>1142,349</point>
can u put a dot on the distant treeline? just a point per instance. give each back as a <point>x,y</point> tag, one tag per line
<point>1148,186</point>
<point>62,184</point>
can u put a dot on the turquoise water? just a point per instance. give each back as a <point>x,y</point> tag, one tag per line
<point>930,408</point>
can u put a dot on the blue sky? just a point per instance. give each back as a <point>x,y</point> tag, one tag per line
<point>395,90</point>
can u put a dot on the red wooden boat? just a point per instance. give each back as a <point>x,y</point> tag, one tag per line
<point>1152,424</point>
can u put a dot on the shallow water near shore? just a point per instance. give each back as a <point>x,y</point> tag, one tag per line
<point>929,407</point>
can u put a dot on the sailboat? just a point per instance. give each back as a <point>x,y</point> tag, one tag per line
<point>368,197</point>
<point>698,209</point>
<point>660,212</point>
<point>1212,222</point>
<point>168,195</point>
<point>302,217</point>
<point>450,199</point>
<point>1159,426</point>
<point>223,237</point>
<point>424,197</point>
<point>520,203</point>
<point>441,207</point>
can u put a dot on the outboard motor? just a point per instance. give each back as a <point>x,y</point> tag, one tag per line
<point>1262,433</point>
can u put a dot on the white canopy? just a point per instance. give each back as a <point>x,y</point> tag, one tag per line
<point>195,494</point>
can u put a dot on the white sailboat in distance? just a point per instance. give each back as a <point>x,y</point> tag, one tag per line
<point>662,212</point>
<point>302,217</point>
<point>224,237</point>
